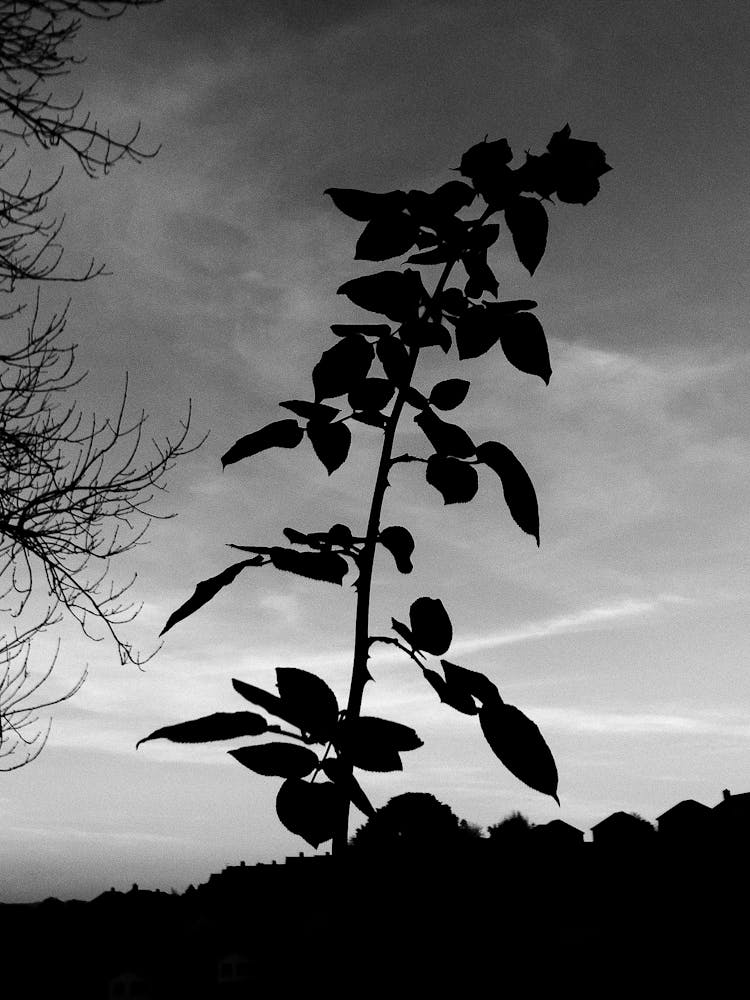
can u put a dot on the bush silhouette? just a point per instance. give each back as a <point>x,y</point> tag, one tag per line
<point>415,822</point>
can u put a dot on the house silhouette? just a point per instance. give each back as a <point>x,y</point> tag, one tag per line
<point>688,822</point>
<point>556,835</point>
<point>622,831</point>
<point>731,819</point>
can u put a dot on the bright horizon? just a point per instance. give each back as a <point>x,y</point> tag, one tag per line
<point>624,636</point>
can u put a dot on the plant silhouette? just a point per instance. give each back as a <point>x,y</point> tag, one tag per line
<point>441,228</point>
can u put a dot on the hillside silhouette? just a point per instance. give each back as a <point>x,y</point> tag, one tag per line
<point>425,909</point>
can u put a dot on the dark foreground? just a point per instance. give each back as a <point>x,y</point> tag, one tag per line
<point>597,924</point>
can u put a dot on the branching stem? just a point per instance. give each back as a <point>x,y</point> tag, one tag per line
<point>360,673</point>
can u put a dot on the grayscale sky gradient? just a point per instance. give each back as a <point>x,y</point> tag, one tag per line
<point>625,635</point>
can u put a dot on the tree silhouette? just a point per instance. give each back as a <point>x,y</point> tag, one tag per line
<point>435,228</point>
<point>76,491</point>
<point>511,832</point>
<point>415,822</point>
<point>470,832</point>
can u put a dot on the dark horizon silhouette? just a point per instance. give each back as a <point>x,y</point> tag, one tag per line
<point>541,888</point>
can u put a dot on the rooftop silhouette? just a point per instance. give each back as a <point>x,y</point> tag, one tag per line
<point>634,885</point>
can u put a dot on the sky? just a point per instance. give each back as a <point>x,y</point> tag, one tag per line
<point>624,635</point>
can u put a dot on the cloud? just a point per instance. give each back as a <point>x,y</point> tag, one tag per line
<point>286,606</point>
<point>665,723</point>
<point>598,616</point>
<point>70,833</point>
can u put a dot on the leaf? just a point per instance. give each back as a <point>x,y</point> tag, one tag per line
<point>481,276</point>
<point>334,769</point>
<point>279,434</point>
<point>449,394</point>
<point>219,726</point>
<point>453,196</point>
<point>373,419</point>
<point>453,302</point>
<point>400,544</point>
<point>330,443</point>
<point>395,294</point>
<point>365,205</point>
<point>415,398</point>
<point>503,309</point>
<point>371,394</point>
<point>296,537</point>
<point>518,489</point>
<point>485,157</point>
<point>423,333</point>
<point>430,625</point>
<point>445,438</point>
<point>395,360</point>
<point>456,481</point>
<point>439,207</point>
<point>374,744</point>
<point>454,698</point>
<point>386,236</point>
<point>470,682</point>
<point>426,239</point>
<point>361,329</point>
<point>482,326</point>
<point>518,743</point>
<point>309,701</point>
<point>340,534</point>
<point>311,411</point>
<point>475,334</point>
<point>280,760</point>
<point>328,567</point>
<point>537,175</point>
<point>486,164</point>
<point>342,366</point>
<point>524,344</point>
<point>386,733</point>
<point>207,589</point>
<point>310,810</point>
<point>528,223</point>
<point>424,209</point>
<point>375,758</point>
<point>268,701</point>
<point>403,631</point>
<point>482,237</point>
<point>438,255</point>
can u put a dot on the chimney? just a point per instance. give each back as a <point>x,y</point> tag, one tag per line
<point>242,864</point>
<point>726,794</point>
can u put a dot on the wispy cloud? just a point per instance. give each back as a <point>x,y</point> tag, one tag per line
<point>575,720</point>
<point>599,616</point>
<point>69,833</point>
<point>596,617</point>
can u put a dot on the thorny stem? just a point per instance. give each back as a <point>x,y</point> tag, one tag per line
<point>360,673</point>
<point>412,653</point>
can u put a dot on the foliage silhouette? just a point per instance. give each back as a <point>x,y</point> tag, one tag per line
<point>76,491</point>
<point>434,229</point>
<point>415,822</point>
<point>511,832</point>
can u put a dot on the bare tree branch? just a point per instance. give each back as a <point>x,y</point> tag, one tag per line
<point>33,50</point>
<point>76,490</point>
